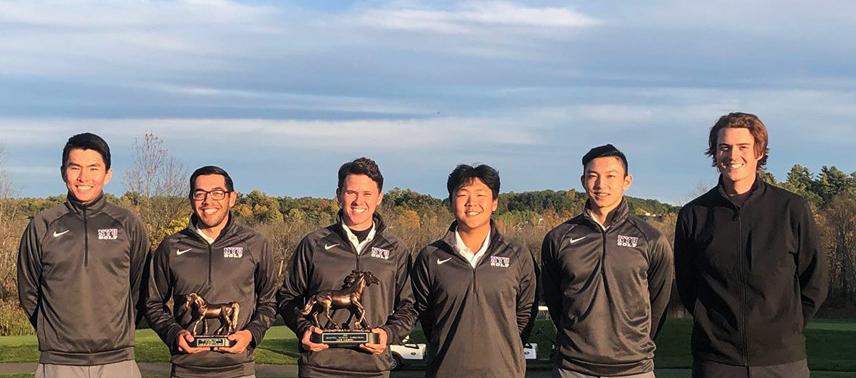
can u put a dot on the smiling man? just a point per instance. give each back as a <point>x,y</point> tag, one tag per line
<point>606,278</point>
<point>359,240</point>
<point>475,290</point>
<point>80,267</point>
<point>222,262</point>
<point>749,264</point>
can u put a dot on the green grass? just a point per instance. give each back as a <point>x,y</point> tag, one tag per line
<point>830,344</point>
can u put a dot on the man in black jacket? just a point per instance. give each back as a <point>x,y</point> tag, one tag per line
<point>80,267</point>
<point>359,241</point>
<point>749,264</point>
<point>606,278</point>
<point>222,262</point>
<point>475,290</point>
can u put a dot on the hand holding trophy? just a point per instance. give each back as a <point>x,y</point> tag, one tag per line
<point>348,297</point>
<point>200,310</point>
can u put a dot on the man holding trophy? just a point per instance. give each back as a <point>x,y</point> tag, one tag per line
<point>221,278</point>
<point>353,265</point>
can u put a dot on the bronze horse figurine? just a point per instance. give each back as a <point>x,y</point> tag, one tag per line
<point>227,313</point>
<point>348,297</point>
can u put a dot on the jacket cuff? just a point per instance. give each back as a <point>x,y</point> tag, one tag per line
<point>391,336</point>
<point>172,336</point>
<point>258,333</point>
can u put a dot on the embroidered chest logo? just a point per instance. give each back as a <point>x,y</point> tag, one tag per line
<point>627,241</point>
<point>108,234</point>
<point>502,262</point>
<point>380,253</point>
<point>233,252</point>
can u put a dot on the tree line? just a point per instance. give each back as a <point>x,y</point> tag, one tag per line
<point>156,189</point>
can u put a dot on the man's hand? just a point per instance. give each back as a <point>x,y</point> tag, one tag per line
<point>184,339</point>
<point>242,338</point>
<point>308,344</point>
<point>381,342</point>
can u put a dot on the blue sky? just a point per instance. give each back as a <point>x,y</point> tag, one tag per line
<point>281,93</point>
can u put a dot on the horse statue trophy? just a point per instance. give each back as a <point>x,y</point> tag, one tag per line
<point>327,302</point>
<point>200,310</point>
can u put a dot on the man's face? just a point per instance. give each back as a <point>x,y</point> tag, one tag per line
<point>359,198</point>
<point>473,205</point>
<point>211,200</point>
<point>605,181</point>
<point>85,174</point>
<point>735,154</point>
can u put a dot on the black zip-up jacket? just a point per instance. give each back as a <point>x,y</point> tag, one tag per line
<point>239,267</point>
<point>751,275</point>
<point>321,262</point>
<point>476,319</point>
<point>80,268</point>
<point>607,291</point>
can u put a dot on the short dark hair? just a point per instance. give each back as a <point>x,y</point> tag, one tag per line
<point>87,141</point>
<point>742,121</point>
<point>606,150</point>
<point>361,166</point>
<point>211,170</point>
<point>464,174</point>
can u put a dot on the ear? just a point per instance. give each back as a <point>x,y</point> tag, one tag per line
<point>628,180</point>
<point>62,173</point>
<point>233,199</point>
<point>108,176</point>
<point>379,198</point>
<point>495,205</point>
<point>583,180</point>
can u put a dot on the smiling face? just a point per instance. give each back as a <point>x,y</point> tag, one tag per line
<point>359,197</point>
<point>605,181</point>
<point>736,156</point>
<point>85,174</point>
<point>212,212</point>
<point>473,204</point>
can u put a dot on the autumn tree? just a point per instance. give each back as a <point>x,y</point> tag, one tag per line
<point>156,186</point>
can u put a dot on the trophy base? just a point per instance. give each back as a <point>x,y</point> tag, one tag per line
<point>344,338</point>
<point>211,342</point>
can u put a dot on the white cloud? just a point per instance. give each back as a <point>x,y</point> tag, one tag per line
<point>415,134</point>
<point>468,17</point>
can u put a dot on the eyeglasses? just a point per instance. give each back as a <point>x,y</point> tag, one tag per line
<point>216,194</point>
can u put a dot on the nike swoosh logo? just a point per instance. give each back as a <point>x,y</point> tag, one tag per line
<point>577,239</point>
<point>181,252</point>
<point>328,246</point>
<point>60,233</point>
<point>441,262</point>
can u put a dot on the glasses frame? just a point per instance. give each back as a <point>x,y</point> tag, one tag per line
<point>205,193</point>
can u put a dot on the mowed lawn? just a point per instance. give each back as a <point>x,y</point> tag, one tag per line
<point>831,346</point>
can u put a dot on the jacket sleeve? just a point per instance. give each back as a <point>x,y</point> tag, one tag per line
<point>159,292</point>
<point>684,261</point>
<point>292,294</point>
<point>403,317</point>
<point>29,272</point>
<point>265,282</point>
<point>139,266</point>
<point>551,279</point>
<point>527,294</point>
<point>811,265</point>
<point>660,276</point>
<point>422,292</point>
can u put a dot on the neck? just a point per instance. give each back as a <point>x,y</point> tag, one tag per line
<point>474,237</point>
<point>213,232</point>
<point>601,214</point>
<point>738,188</point>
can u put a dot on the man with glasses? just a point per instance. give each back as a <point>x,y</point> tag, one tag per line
<point>222,262</point>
